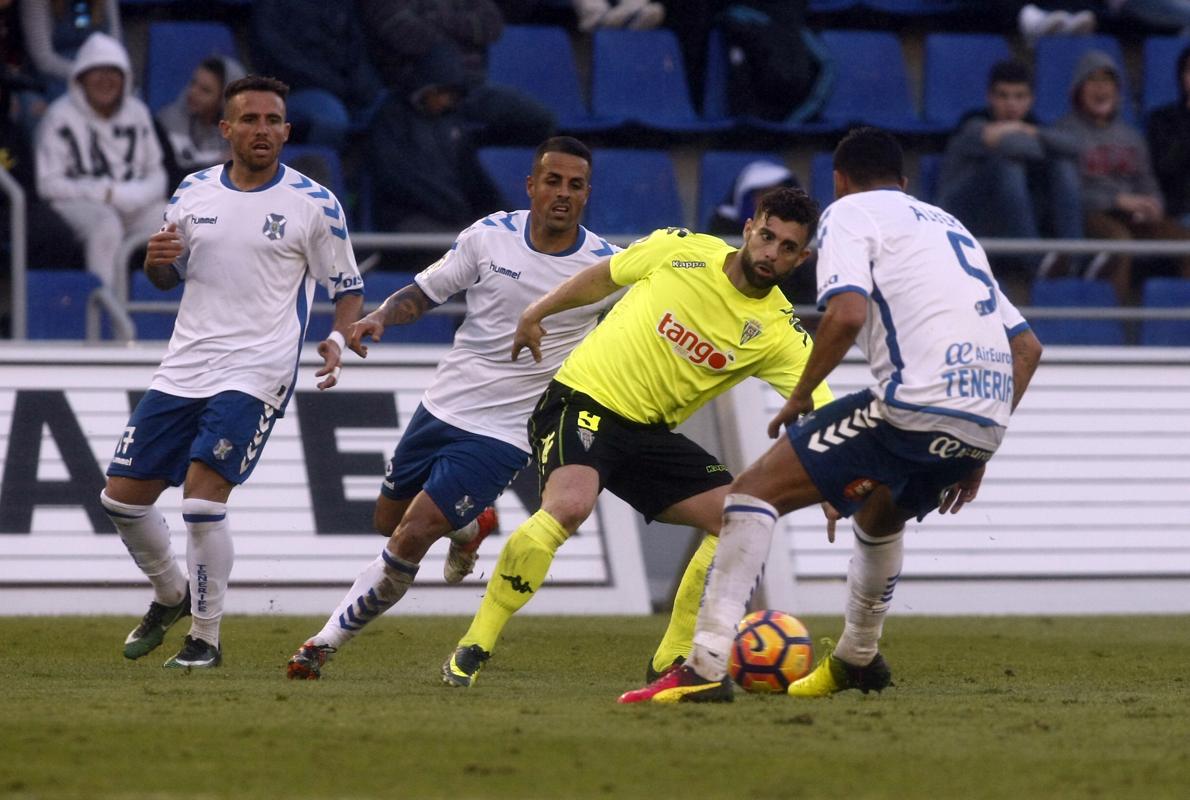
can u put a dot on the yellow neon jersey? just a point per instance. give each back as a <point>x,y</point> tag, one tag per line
<point>683,334</point>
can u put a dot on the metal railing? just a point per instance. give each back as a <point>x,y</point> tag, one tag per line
<point>18,253</point>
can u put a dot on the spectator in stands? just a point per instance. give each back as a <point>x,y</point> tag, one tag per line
<point>98,161</point>
<point>637,15</point>
<point>422,161</point>
<point>403,34</point>
<point>55,30</point>
<point>756,178</point>
<point>189,126</point>
<point>1121,198</point>
<point>1169,142</point>
<point>318,49</point>
<point>1004,174</point>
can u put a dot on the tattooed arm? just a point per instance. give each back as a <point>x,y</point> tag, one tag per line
<point>402,307</point>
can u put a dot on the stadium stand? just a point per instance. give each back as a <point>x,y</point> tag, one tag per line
<point>717,172</point>
<point>1054,61</point>
<point>58,303</point>
<point>152,325</point>
<point>955,68</point>
<point>1166,293</point>
<point>1160,57</point>
<point>507,168</point>
<point>634,191</point>
<point>174,49</point>
<point>1076,293</point>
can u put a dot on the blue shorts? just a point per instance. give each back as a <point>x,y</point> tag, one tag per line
<point>462,472</point>
<point>847,449</point>
<point>227,432</point>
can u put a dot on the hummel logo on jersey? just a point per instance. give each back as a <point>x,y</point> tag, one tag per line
<point>253,448</point>
<point>505,271</point>
<point>517,584</point>
<point>690,345</point>
<point>751,330</point>
<point>274,227</point>
<point>203,220</point>
<point>844,429</point>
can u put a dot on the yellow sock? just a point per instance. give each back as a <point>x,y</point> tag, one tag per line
<point>519,573</point>
<point>678,638</point>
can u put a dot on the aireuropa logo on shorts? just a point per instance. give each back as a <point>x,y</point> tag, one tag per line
<point>692,346</point>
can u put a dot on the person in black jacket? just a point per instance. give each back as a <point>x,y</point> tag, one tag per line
<point>1169,144</point>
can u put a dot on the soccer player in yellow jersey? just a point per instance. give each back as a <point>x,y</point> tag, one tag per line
<point>700,317</point>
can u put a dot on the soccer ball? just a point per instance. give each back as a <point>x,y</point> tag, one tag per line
<point>772,649</point>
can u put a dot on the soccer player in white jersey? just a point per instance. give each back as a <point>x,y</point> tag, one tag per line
<point>250,239</point>
<point>467,439</point>
<point>951,358</point>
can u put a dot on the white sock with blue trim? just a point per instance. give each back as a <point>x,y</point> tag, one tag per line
<point>743,547</point>
<point>376,590</point>
<point>146,535</point>
<point>872,576</point>
<point>209,556</point>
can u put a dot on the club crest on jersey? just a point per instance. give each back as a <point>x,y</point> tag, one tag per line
<point>690,345</point>
<point>221,449</point>
<point>464,505</point>
<point>586,437</point>
<point>274,227</point>
<point>751,330</point>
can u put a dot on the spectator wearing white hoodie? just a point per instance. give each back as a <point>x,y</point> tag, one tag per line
<point>99,163</point>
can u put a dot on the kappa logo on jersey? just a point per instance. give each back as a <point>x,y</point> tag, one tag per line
<point>274,227</point>
<point>262,428</point>
<point>844,429</point>
<point>690,345</point>
<point>751,330</point>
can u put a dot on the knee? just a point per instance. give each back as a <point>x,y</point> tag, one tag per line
<point>570,512</point>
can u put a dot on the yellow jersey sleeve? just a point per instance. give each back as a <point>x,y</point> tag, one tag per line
<point>644,255</point>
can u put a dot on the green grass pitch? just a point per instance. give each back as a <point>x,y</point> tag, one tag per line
<point>1085,707</point>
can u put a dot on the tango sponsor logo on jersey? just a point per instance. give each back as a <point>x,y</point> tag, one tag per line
<point>966,377</point>
<point>690,345</point>
<point>274,227</point>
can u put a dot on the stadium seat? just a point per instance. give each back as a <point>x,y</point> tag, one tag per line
<point>871,84</point>
<point>1055,58</point>
<point>928,168</point>
<point>539,60</point>
<point>57,303</point>
<point>640,77</point>
<point>635,192</point>
<point>173,50</point>
<point>152,325</point>
<point>1160,85</point>
<point>1166,293</point>
<point>1076,293</point>
<point>822,180</point>
<point>717,172</point>
<point>320,163</point>
<point>955,73</point>
<point>507,168</point>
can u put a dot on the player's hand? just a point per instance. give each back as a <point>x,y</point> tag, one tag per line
<point>164,247</point>
<point>832,517</point>
<point>794,407</point>
<point>372,326</point>
<point>955,497</point>
<point>332,356</point>
<point>528,334</point>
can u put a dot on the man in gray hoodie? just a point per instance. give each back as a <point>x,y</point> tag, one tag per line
<point>1121,197</point>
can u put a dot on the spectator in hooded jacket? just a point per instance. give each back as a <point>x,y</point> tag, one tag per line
<point>189,126</point>
<point>98,161</point>
<point>1121,198</point>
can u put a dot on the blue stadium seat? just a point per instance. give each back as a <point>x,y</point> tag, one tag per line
<point>507,167</point>
<point>1160,84</point>
<point>539,60</point>
<point>1166,293</point>
<point>822,180</point>
<point>378,284</point>
<point>640,77</point>
<point>716,176</point>
<point>928,168</point>
<point>1076,293</point>
<point>955,73</point>
<point>57,303</point>
<point>871,83</point>
<point>1055,58</point>
<point>634,191</point>
<point>174,49</point>
<point>150,324</point>
<point>293,154</point>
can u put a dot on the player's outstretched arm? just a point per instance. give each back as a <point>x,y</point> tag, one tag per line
<point>163,250</point>
<point>347,309</point>
<point>583,288</point>
<point>844,317</point>
<point>402,307</point>
<point>1026,355</point>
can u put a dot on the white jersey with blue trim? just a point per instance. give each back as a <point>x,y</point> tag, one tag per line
<point>937,330</point>
<point>250,265</point>
<point>478,387</point>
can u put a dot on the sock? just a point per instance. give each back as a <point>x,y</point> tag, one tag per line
<point>209,557</point>
<point>679,636</point>
<point>872,575</point>
<point>520,571</point>
<point>743,547</point>
<point>376,590</point>
<point>146,535</point>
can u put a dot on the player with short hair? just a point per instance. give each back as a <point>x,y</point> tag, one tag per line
<point>467,439</point>
<point>250,239</point>
<point>701,316</point>
<point>951,357</point>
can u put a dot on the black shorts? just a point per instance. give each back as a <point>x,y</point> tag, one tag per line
<point>647,466</point>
